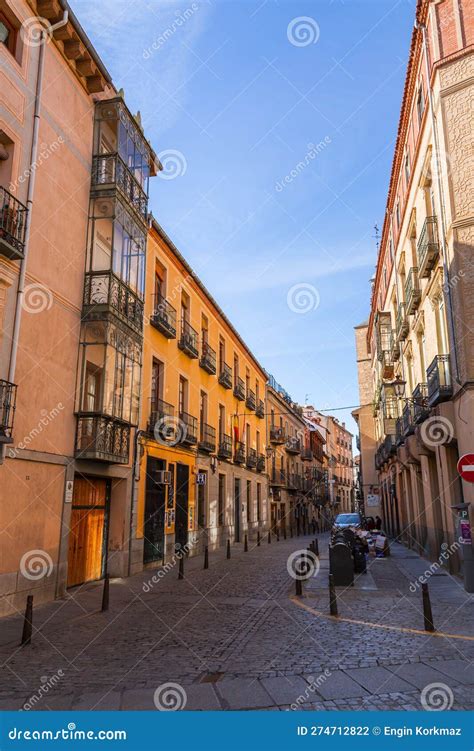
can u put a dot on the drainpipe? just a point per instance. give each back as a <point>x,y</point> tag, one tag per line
<point>29,203</point>
<point>444,253</point>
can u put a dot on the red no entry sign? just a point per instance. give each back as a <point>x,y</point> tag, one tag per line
<point>466,467</point>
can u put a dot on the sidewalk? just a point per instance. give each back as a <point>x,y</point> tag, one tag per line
<point>232,637</point>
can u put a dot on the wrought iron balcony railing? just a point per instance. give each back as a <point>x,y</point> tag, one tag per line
<point>394,347</point>
<point>408,418</point>
<point>438,376</point>
<point>277,434</point>
<point>261,463</point>
<point>12,226</point>
<point>421,408</point>
<point>239,452</point>
<point>239,389</point>
<point>260,408</point>
<point>102,438</point>
<point>403,325</point>
<point>250,400</point>
<point>251,459</point>
<point>161,421</point>
<point>293,445</point>
<point>225,376</point>
<point>109,171</point>
<point>224,449</point>
<point>306,454</point>
<point>188,340</point>
<point>428,246</point>
<point>207,438</point>
<point>106,295</point>
<point>163,317</point>
<point>7,410</point>
<point>412,291</point>
<point>278,478</point>
<point>188,429</point>
<point>207,360</point>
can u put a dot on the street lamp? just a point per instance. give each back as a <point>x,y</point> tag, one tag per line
<point>398,386</point>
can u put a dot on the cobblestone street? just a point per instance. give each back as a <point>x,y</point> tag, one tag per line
<point>257,648</point>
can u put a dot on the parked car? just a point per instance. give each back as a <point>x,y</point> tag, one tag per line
<point>343,521</point>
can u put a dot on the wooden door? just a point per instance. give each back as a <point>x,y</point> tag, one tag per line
<point>88,528</point>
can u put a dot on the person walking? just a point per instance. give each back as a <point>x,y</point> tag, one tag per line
<point>378,523</point>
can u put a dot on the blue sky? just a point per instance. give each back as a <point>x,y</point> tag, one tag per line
<point>276,122</point>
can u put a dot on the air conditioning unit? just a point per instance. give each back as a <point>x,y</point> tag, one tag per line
<point>162,477</point>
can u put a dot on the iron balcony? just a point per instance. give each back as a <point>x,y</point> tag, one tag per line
<point>12,226</point>
<point>260,408</point>
<point>163,317</point>
<point>207,438</point>
<point>102,438</point>
<point>187,429</point>
<point>239,389</point>
<point>402,324</point>
<point>278,478</point>
<point>188,340</point>
<point>412,291</point>
<point>428,246</point>
<point>109,172</point>
<point>225,376</point>
<point>261,463</point>
<point>420,403</point>
<point>277,435</point>
<point>438,376</point>
<point>293,445</point>
<point>106,296</point>
<point>408,419</point>
<point>208,359</point>
<point>161,422</point>
<point>251,459</point>
<point>251,400</point>
<point>224,450</point>
<point>239,453</point>
<point>306,455</point>
<point>394,347</point>
<point>7,410</point>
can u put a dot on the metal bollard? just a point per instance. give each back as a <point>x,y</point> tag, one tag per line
<point>284,532</point>
<point>316,547</point>
<point>181,567</point>
<point>427,614</point>
<point>291,530</point>
<point>278,534</point>
<point>332,597</point>
<point>105,593</point>
<point>246,544</point>
<point>206,557</point>
<point>228,548</point>
<point>28,622</point>
<point>299,588</point>
<point>258,539</point>
<point>269,537</point>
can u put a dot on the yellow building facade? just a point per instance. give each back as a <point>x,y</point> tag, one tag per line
<point>200,469</point>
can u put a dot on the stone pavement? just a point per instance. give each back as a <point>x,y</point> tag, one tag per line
<point>233,637</point>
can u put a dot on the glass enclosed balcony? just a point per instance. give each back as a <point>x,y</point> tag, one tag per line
<point>12,226</point>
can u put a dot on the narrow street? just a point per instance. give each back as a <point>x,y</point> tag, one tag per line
<point>236,637</point>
